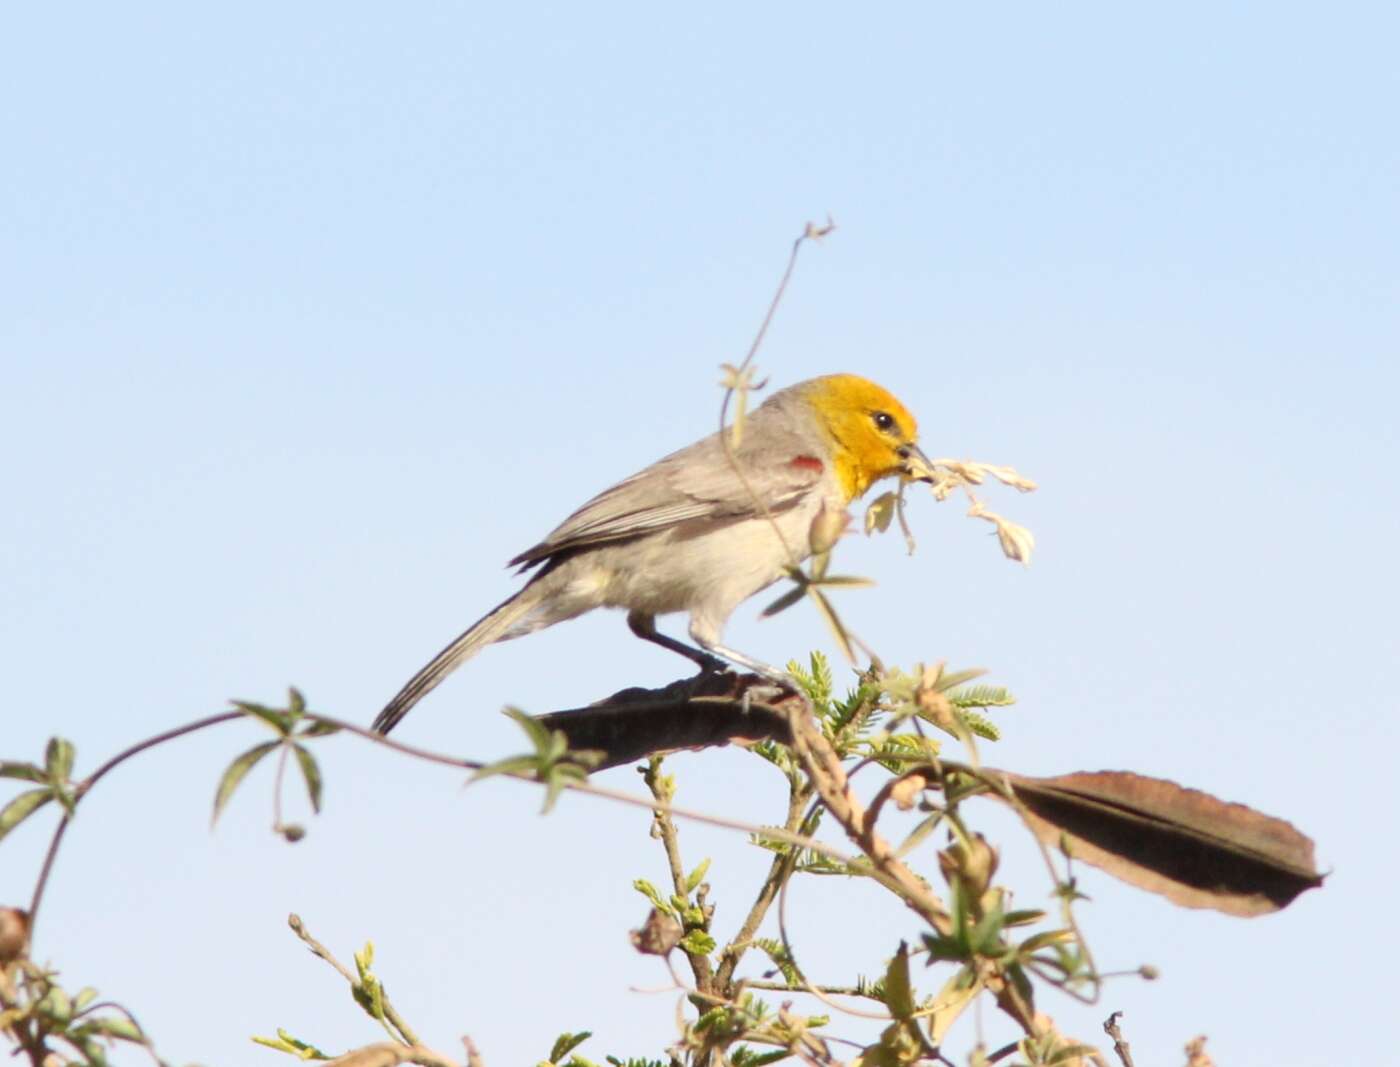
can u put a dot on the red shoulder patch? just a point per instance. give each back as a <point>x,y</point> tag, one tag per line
<point>807,463</point>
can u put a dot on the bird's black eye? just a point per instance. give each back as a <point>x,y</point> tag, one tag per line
<point>885,421</point>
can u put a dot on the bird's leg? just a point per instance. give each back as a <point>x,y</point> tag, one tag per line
<point>644,626</point>
<point>781,679</point>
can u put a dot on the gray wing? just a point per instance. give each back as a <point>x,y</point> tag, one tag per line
<point>696,482</point>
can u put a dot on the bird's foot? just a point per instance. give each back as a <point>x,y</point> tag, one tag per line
<point>772,688</point>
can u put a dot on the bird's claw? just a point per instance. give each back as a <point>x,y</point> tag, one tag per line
<point>762,693</point>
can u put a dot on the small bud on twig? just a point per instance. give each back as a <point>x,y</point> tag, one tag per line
<point>14,933</point>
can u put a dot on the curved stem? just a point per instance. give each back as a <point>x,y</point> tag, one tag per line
<point>810,232</point>
<point>277,825</point>
<point>726,441</point>
<point>807,985</point>
<point>91,780</point>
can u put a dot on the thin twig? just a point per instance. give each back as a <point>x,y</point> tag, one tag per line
<point>473,1056</point>
<point>1120,1046</point>
<point>726,441</point>
<point>1003,1052</point>
<point>814,990</point>
<point>278,826</point>
<point>807,985</point>
<point>772,833</point>
<point>824,769</point>
<point>812,232</point>
<point>779,871</point>
<point>112,1005</point>
<point>666,828</point>
<point>405,1032</point>
<point>1002,787</point>
<point>82,788</point>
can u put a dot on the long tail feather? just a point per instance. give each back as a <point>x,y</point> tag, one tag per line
<point>491,627</point>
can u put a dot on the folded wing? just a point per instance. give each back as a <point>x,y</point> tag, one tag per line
<point>698,482</point>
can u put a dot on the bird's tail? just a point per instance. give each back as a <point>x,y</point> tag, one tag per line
<point>489,628</point>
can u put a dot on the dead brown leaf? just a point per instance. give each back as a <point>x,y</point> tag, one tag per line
<point>1192,848</point>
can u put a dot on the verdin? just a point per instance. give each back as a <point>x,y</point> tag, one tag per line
<point>689,534</point>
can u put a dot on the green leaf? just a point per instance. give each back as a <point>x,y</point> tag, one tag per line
<point>942,948</point>
<point>58,760</point>
<point>981,696</point>
<point>846,581</point>
<point>320,728</point>
<point>364,959</point>
<point>859,703</point>
<point>899,993</point>
<point>821,676</point>
<point>285,1042</point>
<point>509,765</point>
<point>834,624</point>
<point>296,703</point>
<point>956,678</point>
<point>566,1043</point>
<point>56,1005</point>
<point>95,1053</point>
<point>979,724</point>
<point>698,943</point>
<point>84,997</point>
<point>369,995</point>
<point>237,771</point>
<point>919,834</point>
<point>985,939</point>
<point>26,772</point>
<point>21,807</point>
<point>691,914</point>
<point>1022,918</point>
<point>697,876</point>
<point>777,952</point>
<point>1039,941</point>
<point>280,721</point>
<point>642,886</point>
<point>743,1056</point>
<point>897,750</point>
<point>1071,1052</point>
<point>312,773</point>
<point>117,1026</point>
<point>558,778</point>
<point>787,600</point>
<point>551,764</point>
<point>536,731</point>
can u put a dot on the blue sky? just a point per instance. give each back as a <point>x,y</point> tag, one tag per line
<point>312,316</point>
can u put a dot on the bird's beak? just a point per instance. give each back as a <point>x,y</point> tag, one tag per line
<point>916,464</point>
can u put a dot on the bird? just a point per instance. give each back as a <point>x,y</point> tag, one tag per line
<point>689,534</point>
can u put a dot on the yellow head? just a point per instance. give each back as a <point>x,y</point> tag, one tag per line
<point>872,434</point>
